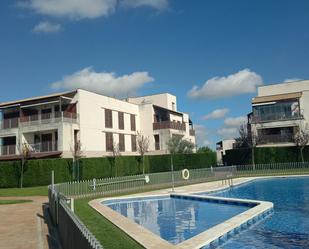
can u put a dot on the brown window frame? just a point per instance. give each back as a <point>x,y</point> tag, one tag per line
<point>109,141</point>
<point>133,122</point>
<point>122,143</point>
<point>120,120</point>
<point>108,118</point>
<point>133,143</point>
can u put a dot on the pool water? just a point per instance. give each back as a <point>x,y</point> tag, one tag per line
<point>288,227</point>
<point>175,219</point>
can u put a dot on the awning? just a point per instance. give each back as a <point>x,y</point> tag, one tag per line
<point>35,100</point>
<point>276,97</point>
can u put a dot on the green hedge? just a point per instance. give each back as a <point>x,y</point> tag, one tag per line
<point>265,155</point>
<point>38,172</point>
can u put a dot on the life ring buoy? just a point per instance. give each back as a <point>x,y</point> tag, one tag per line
<point>185,174</point>
<point>147,179</point>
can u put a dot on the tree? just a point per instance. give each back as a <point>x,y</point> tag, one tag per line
<point>247,139</point>
<point>115,154</point>
<point>142,147</point>
<point>178,145</point>
<point>77,154</point>
<point>301,139</point>
<point>204,149</point>
<point>25,154</point>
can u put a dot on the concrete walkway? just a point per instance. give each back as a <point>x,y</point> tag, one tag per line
<point>26,225</point>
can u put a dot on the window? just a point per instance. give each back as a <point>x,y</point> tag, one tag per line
<point>108,118</point>
<point>173,106</point>
<point>120,121</point>
<point>133,142</point>
<point>121,142</point>
<point>133,125</point>
<point>109,141</point>
<point>157,142</point>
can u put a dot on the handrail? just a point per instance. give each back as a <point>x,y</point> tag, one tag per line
<point>36,119</point>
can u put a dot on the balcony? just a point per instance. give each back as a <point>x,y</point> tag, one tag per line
<point>274,117</point>
<point>11,150</point>
<point>192,132</point>
<point>47,146</point>
<point>9,123</point>
<point>276,138</point>
<point>169,125</point>
<point>7,150</point>
<point>44,118</point>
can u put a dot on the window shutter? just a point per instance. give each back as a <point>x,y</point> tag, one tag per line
<point>109,141</point>
<point>120,121</point>
<point>133,142</point>
<point>108,118</point>
<point>121,142</point>
<point>133,125</point>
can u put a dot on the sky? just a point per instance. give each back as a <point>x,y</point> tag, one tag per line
<point>211,54</point>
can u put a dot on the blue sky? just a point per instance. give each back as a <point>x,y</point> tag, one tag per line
<point>126,47</point>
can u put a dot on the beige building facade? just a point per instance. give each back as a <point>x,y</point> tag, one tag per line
<point>52,125</point>
<point>278,112</point>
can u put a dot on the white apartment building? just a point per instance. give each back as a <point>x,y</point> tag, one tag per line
<point>51,125</point>
<point>223,146</point>
<point>278,112</point>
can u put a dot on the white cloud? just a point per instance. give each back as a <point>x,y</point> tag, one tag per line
<point>244,81</point>
<point>47,27</point>
<point>228,132</point>
<point>103,82</point>
<point>201,135</point>
<point>156,4</point>
<point>216,114</point>
<point>236,121</point>
<point>73,9</point>
<point>291,80</point>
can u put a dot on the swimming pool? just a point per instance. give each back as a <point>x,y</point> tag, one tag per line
<point>177,218</point>
<point>288,227</point>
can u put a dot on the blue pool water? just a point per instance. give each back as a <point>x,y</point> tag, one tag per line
<point>288,227</point>
<point>174,219</point>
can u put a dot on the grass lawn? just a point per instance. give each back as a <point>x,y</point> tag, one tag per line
<point>108,234</point>
<point>32,191</point>
<point>6,202</point>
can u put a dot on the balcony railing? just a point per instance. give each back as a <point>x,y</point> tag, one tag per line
<point>7,150</point>
<point>9,123</point>
<point>44,118</point>
<point>275,138</point>
<point>49,146</point>
<point>192,132</point>
<point>169,125</point>
<point>273,117</point>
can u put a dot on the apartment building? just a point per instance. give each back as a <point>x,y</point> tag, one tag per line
<point>52,125</point>
<point>278,112</point>
<point>221,147</point>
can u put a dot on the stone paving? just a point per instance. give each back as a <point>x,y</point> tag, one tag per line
<point>26,225</point>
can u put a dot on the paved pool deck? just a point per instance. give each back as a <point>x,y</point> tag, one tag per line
<point>26,225</point>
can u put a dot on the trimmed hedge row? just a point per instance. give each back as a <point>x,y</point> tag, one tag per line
<point>38,172</point>
<point>265,155</point>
